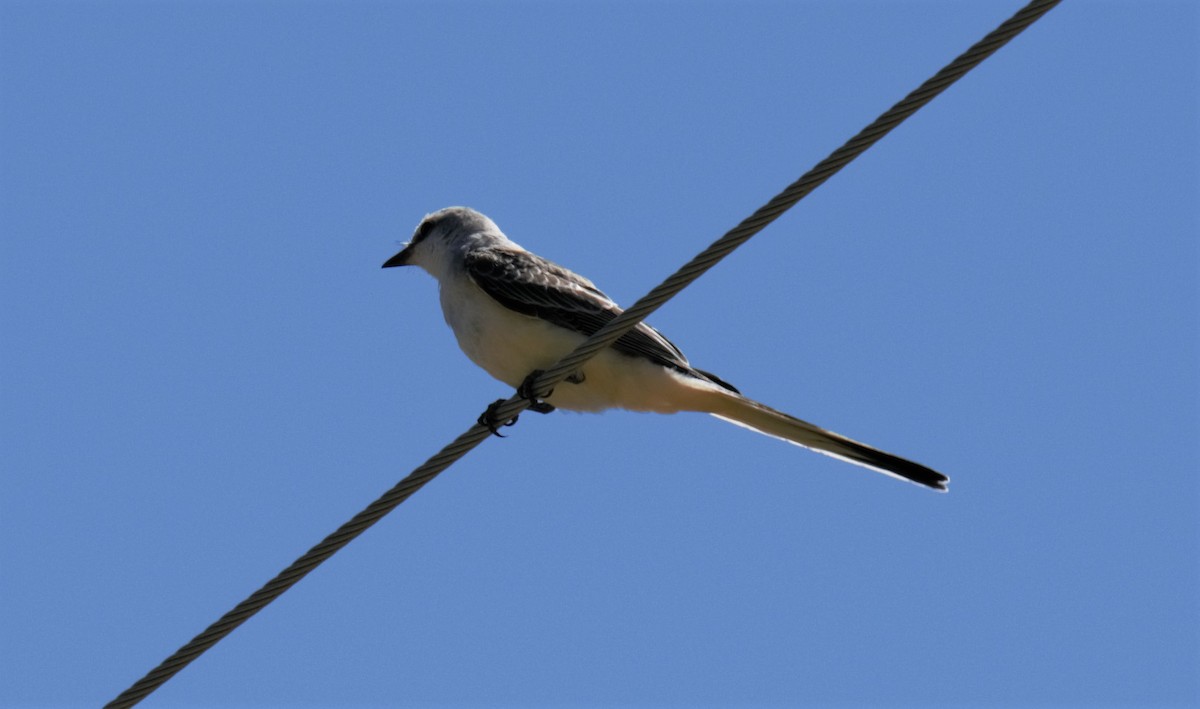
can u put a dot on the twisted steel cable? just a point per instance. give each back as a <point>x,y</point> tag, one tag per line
<point>571,363</point>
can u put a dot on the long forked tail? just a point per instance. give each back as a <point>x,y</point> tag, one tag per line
<point>739,410</point>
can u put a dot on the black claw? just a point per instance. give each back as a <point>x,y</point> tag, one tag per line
<point>541,407</point>
<point>577,378</point>
<point>525,391</point>
<point>488,418</point>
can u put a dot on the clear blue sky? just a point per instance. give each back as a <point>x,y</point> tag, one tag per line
<point>205,371</point>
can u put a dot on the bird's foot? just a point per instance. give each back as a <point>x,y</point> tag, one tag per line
<point>525,391</point>
<point>577,378</point>
<point>489,418</point>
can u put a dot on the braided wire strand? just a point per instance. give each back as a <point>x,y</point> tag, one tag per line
<point>604,337</point>
<point>794,192</point>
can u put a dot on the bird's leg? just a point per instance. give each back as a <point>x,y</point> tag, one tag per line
<point>525,391</point>
<point>488,418</point>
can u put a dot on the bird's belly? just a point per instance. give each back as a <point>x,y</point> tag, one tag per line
<point>509,345</point>
<point>615,380</point>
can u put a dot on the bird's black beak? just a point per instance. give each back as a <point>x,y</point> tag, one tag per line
<point>400,259</point>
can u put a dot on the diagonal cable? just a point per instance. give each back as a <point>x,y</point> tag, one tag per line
<point>604,337</point>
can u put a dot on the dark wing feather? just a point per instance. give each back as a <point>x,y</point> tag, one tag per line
<point>531,285</point>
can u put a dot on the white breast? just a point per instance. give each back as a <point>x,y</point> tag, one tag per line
<point>505,343</point>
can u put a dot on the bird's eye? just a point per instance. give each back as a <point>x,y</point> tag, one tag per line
<point>424,230</point>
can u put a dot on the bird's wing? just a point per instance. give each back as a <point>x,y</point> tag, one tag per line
<point>531,285</point>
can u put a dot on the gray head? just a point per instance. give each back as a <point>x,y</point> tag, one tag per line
<point>442,233</point>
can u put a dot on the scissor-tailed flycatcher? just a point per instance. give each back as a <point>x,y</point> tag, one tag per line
<point>514,312</point>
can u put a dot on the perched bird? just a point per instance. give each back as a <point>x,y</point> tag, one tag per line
<point>513,313</point>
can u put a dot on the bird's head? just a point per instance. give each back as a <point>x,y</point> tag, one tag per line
<point>441,234</point>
